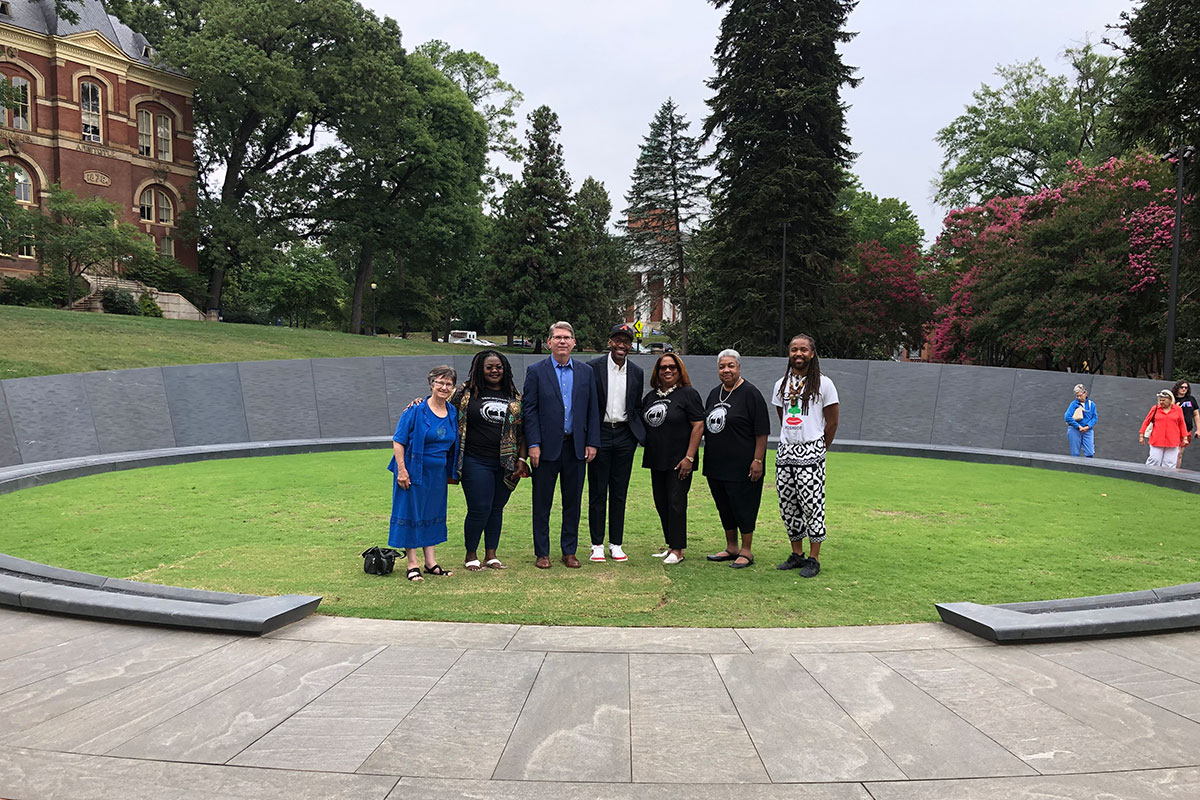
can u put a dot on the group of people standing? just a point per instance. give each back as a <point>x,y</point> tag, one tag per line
<point>1168,427</point>
<point>577,420</point>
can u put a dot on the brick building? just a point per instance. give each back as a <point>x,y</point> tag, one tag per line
<point>96,115</point>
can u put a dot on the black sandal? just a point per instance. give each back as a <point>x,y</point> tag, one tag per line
<point>724,555</point>
<point>414,574</point>
<point>437,570</point>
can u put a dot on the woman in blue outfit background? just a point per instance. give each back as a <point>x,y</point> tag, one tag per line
<point>424,448</point>
<point>1081,419</point>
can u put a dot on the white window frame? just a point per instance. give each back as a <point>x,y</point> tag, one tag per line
<point>145,127</point>
<point>166,246</point>
<point>166,208</point>
<point>146,205</point>
<point>91,112</point>
<point>23,185</point>
<point>162,136</point>
<point>19,113</point>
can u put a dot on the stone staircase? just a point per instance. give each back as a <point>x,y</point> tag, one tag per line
<point>173,305</point>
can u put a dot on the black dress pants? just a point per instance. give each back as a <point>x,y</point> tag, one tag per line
<point>670,499</point>
<point>608,483</point>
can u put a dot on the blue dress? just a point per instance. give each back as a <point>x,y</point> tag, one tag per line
<point>419,512</point>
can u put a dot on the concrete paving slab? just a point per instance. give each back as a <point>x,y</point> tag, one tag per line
<point>221,726</point>
<point>427,789</point>
<point>460,635</point>
<point>801,734</point>
<point>24,632</point>
<point>64,656</point>
<point>575,725</point>
<point>858,639</point>
<point>1168,784</point>
<point>36,774</point>
<point>684,726</point>
<point>921,736</point>
<point>37,702</point>
<point>1168,738</point>
<point>461,725</point>
<point>1177,653</point>
<point>1152,685</point>
<point>627,640</point>
<point>1041,735</point>
<point>109,721</point>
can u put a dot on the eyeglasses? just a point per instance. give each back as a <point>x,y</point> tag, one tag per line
<point>444,384</point>
<point>561,338</point>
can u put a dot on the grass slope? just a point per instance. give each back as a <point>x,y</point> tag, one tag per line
<point>47,342</point>
<point>904,533</point>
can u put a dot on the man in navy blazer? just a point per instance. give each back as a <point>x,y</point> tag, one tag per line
<point>619,383</point>
<point>562,429</point>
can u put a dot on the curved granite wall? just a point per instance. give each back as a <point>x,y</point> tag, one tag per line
<point>95,413</point>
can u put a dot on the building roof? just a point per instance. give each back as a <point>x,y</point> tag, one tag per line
<point>39,16</point>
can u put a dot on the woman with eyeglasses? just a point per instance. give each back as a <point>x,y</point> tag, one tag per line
<point>1081,419</point>
<point>1191,412</point>
<point>423,461</point>
<point>674,417</point>
<point>1165,430</point>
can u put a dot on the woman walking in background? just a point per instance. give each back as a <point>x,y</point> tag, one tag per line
<point>491,452</point>
<point>1191,412</point>
<point>1081,419</point>
<point>674,418</point>
<point>423,462</point>
<point>1164,427</point>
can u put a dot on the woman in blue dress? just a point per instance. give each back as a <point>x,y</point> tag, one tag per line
<point>424,447</point>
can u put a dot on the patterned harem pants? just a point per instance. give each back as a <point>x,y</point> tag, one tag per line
<point>801,489</point>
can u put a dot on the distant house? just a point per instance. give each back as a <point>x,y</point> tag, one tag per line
<point>652,303</point>
<point>99,115</point>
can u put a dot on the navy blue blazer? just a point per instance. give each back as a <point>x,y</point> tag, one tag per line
<point>542,406</point>
<point>634,392</point>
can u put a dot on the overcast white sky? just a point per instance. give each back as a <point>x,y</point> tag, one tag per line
<point>606,67</point>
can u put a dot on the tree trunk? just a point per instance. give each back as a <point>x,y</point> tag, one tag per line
<point>70,288</point>
<point>362,277</point>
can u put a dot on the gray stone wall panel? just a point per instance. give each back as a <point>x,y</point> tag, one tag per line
<point>850,380</point>
<point>206,404</point>
<point>407,378</point>
<point>351,396</point>
<point>972,406</point>
<point>1035,415</point>
<point>280,400</point>
<point>10,454</point>
<point>900,403</point>
<point>51,417</point>
<point>1122,404</point>
<point>129,409</point>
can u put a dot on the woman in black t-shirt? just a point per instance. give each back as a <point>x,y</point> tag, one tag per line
<point>736,424</point>
<point>1191,412</point>
<point>674,421</point>
<point>491,452</point>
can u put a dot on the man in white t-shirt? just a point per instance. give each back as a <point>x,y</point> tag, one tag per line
<point>807,404</point>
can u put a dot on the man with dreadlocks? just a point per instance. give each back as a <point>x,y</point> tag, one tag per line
<point>807,404</point>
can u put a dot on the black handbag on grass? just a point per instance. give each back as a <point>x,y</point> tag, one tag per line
<point>380,560</point>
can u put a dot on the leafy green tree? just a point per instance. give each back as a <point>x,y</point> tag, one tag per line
<point>1021,137</point>
<point>80,235</point>
<point>886,220</point>
<point>781,154</point>
<point>665,199</point>
<point>304,287</point>
<point>528,280</point>
<point>16,221</point>
<point>596,269</point>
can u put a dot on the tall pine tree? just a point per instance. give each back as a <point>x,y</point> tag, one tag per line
<point>596,270</point>
<point>665,197</point>
<point>781,155</point>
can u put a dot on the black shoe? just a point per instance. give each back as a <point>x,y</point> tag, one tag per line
<point>794,561</point>
<point>810,569</point>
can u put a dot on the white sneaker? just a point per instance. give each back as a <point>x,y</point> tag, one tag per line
<point>617,553</point>
<point>672,559</point>
<point>597,552</point>
<point>663,554</point>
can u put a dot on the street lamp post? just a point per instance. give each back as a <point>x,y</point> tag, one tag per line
<point>373,309</point>
<point>1181,154</point>
<point>782,287</point>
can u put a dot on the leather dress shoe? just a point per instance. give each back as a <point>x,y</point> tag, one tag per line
<point>571,561</point>
<point>543,562</point>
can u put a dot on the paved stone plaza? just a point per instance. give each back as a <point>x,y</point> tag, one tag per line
<point>331,708</point>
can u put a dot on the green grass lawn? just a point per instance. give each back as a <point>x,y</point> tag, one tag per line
<point>903,534</point>
<point>49,342</point>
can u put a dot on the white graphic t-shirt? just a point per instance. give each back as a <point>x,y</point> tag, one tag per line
<point>797,427</point>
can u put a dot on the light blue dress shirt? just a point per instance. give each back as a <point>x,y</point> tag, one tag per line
<point>566,385</point>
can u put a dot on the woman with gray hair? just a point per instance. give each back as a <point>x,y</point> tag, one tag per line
<point>424,447</point>
<point>736,424</point>
<point>1081,419</point>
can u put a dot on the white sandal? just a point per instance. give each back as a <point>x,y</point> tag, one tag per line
<point>495,563</point>
<point>473,565</point>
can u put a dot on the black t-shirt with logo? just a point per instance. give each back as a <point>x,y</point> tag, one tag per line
<point>669,426</point>
<point>730,426</point>
<point>485,419</point>
<point>1188,406</point>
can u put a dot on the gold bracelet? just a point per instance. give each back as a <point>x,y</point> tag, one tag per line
<point>758,461</point>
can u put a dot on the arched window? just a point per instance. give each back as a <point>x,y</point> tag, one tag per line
<point>164,137</point>
<point>89,107</point>
<point>23,188</point>
<point>20,105</point>
<point>145,122</point>
<point>156,205</point>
